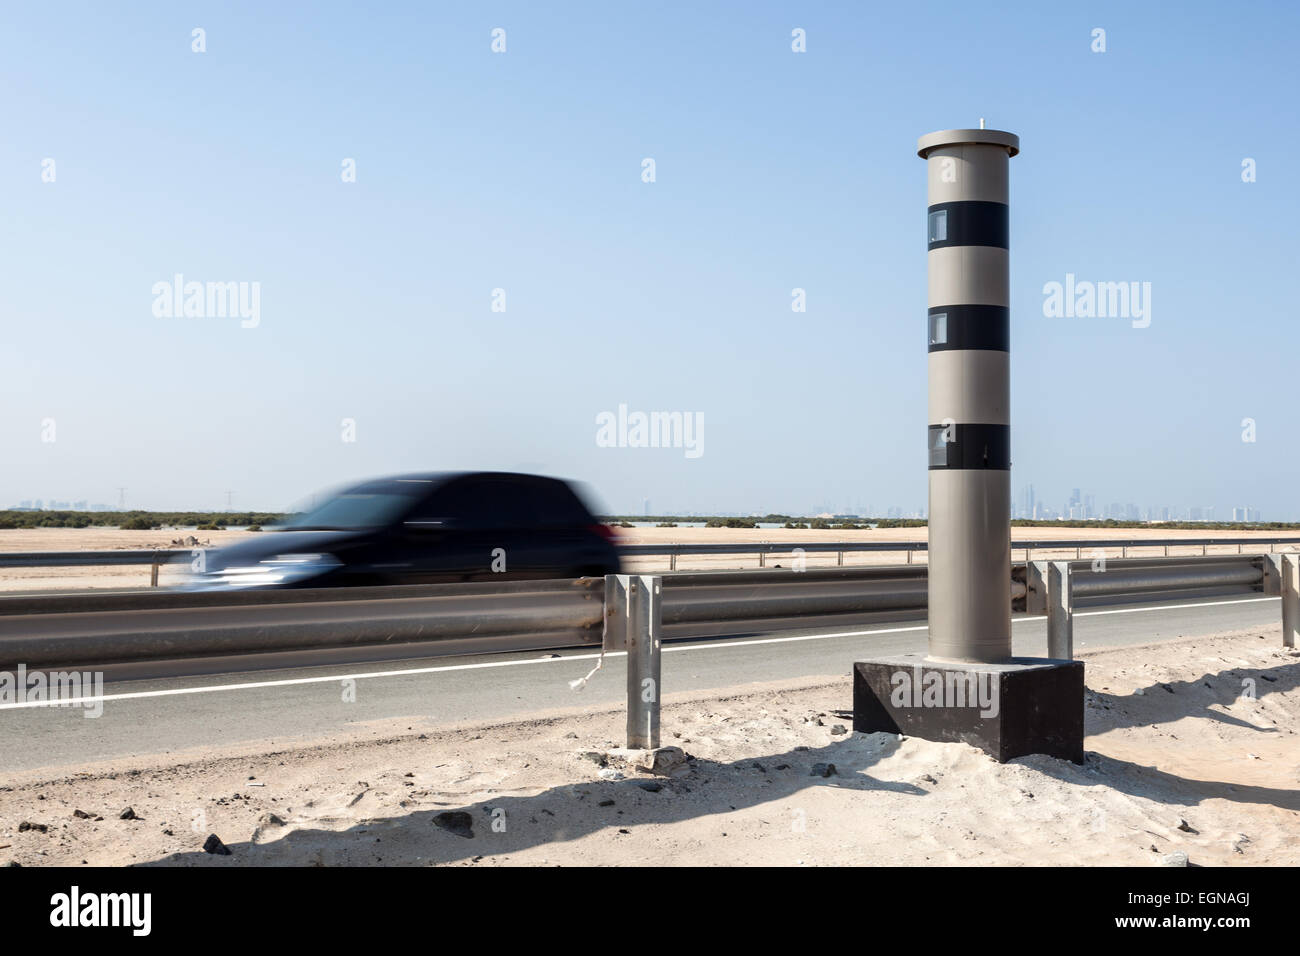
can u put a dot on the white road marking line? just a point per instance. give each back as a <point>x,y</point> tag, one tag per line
<point>676,648</point>
<point>786,640</point>
<point>289,682</point>
<point>1174,607</point>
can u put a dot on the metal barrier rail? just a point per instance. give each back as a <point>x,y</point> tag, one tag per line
<point>1054,586</point>
<point>86,629</point>
<point>70,559</point>
<point>1094,582</point>
<point>105,628</point>
<point>763,549</point>
<point>101,629</point>
<point>840,548</point>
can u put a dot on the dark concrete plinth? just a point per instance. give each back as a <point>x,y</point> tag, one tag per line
<point>1028,705</point>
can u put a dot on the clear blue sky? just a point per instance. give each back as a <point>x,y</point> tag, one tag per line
<point>522,171</point>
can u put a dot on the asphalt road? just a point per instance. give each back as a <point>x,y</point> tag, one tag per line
<point>173,713</point>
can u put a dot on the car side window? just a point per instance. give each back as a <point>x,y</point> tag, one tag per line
<point>510,502</point>
<point>557,507</point>
<point>479,504</point>
<point>459,502</point>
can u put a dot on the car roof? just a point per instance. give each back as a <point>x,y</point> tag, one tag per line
<point>444,476</point>
<point>438,478</point>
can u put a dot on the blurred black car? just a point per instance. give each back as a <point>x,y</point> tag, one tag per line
<point>423,529</point>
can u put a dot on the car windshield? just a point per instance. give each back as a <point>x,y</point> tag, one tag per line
<point>358,508</point>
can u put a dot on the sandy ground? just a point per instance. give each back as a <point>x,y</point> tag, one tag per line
<point>108,539</point>
<point>1179,759</point>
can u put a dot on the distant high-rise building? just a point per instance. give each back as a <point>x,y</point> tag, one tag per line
<point>1027,502</point>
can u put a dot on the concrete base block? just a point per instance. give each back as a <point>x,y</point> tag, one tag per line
<point>1027,705</point>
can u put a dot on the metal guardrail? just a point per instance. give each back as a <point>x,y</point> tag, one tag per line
<point>763,549</point>
<point>93,559</point>
<point>103,628</point>
<point>100,629</point>
<point>1055,586</point>
<point>1095,582</point>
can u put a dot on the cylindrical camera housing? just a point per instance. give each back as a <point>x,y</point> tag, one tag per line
<point>970,393</point>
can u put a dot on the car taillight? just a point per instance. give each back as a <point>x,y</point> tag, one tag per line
<point>605,531</point>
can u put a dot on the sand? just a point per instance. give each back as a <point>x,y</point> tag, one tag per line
<point>1178,760</point>
<point>108,539</point>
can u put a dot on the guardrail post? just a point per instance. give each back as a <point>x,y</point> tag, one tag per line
<point>1272,581</point>
<point>1060,612</point>
<point>1290,598</point>
<point>633,622</point>
<point>153,576</point>
<point>839,559</point>
<point>1036,587</point>
<point>762,559</point>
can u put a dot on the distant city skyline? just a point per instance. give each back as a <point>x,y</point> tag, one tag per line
<point>1078,506</point>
